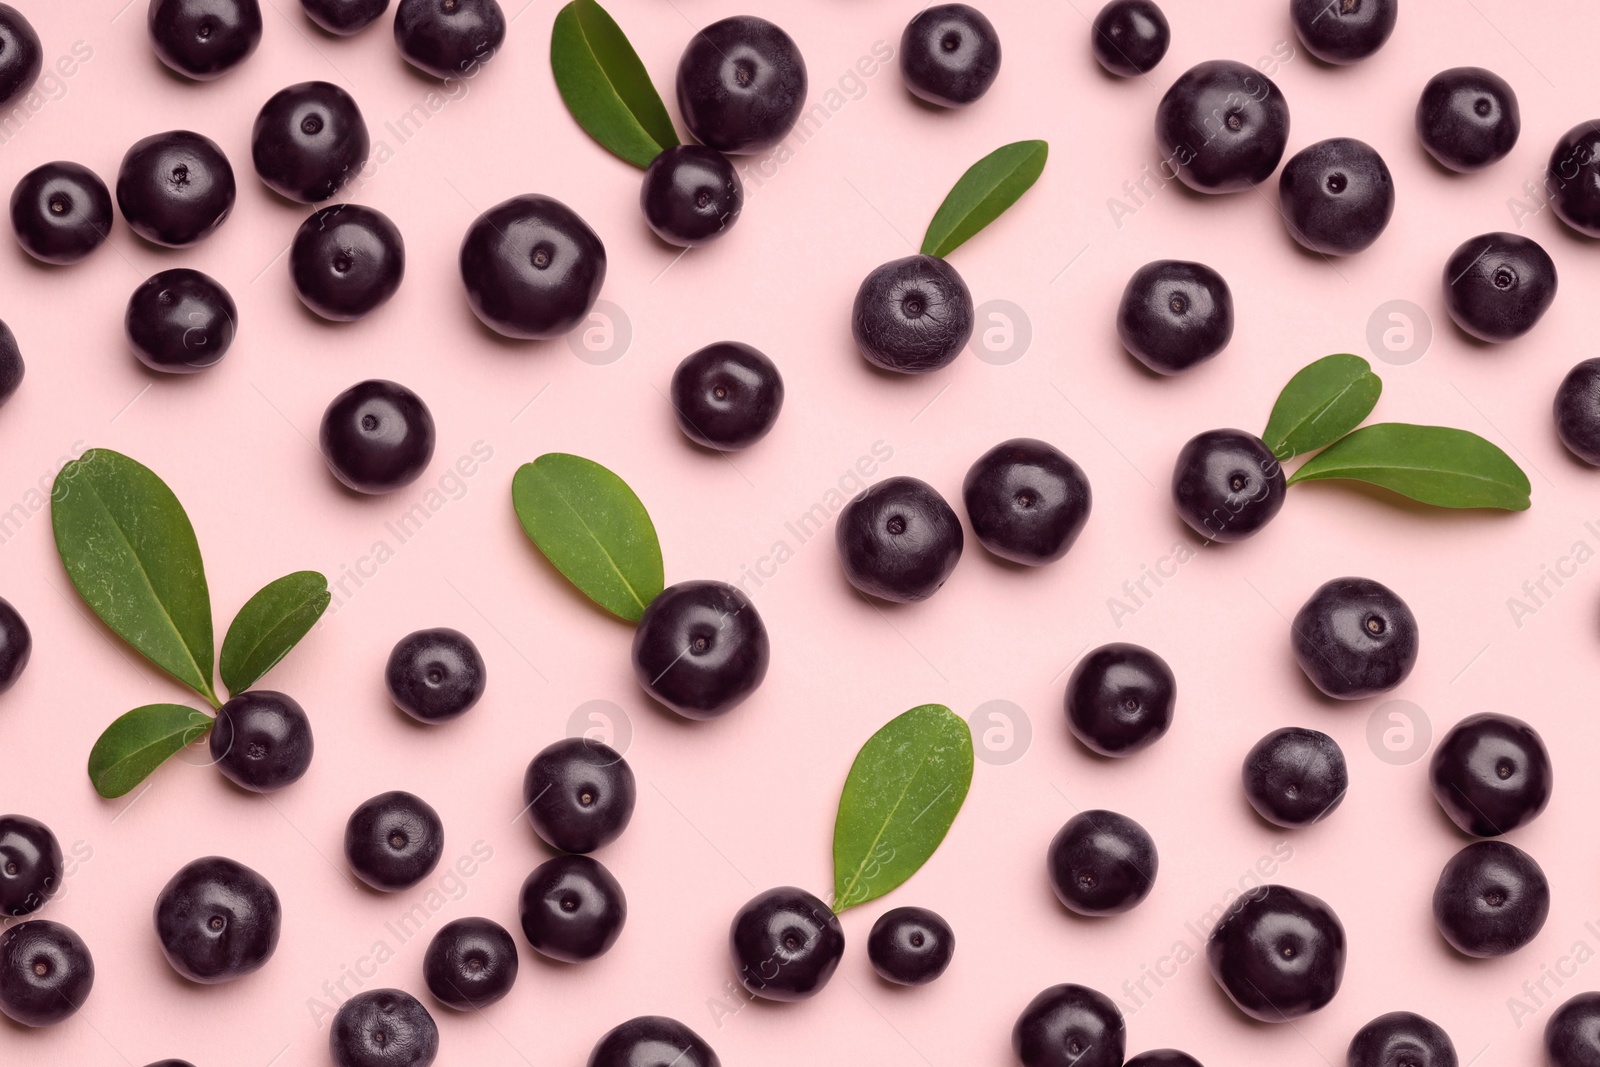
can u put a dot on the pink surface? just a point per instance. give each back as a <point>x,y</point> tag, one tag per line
<point>736,806</point>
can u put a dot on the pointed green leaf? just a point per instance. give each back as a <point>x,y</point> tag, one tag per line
<point>985,191</point>
<point>1322,403</point>
<point>605,85</point>
<point>904,790</point>
<point>1437,465</point>
<point>139,742</point>
<point>269,625</point>
<point>592,528</point>
<point>127,545</point>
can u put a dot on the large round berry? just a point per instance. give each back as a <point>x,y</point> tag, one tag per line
<point>46,973</point>
<point>346,261</point>
<point>1336,196</point>
<point>393,841</point>
<point>1102,863</point>
<point>1491,774</point>
<point>1401,1039</point>
<point>470,963</point>
<point>12,370</point>
<point>180,321</point>
<point>691,195</point>
<point>30,865</point>
<point>1354,638</point>
<point>60,212</point>
<point>308,140</point>
<point>449,38</point>
<point>949,54</point>
<point>1223,125</point>
<point>1295,777</point>
<point>700,648</point>
<point>1572,1036</point>
<point>1577,411</point>
<point>16,641</point>
<point>1027,501</point>
<point>572,909</point>
<point>726,395</point>
<point>383,1028</point>
<point>910,946</point>
<point>204,39</point>
<point>652,1041</point>
<point>1491,900</point>
<point>898,540</point>
<point>435,675</point>
<point>786,944</point>
<point>1174,315</point>
<point>1573,178</point>
<point>1129,37</point>
<point>217,920</point>
<point>344,17</point>
<point>1227,485</point>
<point>1119,699</point>
<point>21,56</point>
<point>1343,31</point>
<point>532,267</point>
<point>175,188</point>
<point>1497,286</point>
<point>1278,953</point>
<point>377,436</point>
<point>579,794</point>
<point>912,315</point>
<point>1070,1026</point>
<point>741,85</point>
<point>262,741</point>
<point>1468,118</point>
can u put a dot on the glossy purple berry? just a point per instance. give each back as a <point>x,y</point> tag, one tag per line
<point>1070,1026</point>
<point>949,54</point>
<point>1343,31</point>
<point>652,1041</point>
<point>261,741</point>
<point>1224,126</point>
<point>1573,178</point>
<point>180,321</point>
<point>347,261</point>
<point>60,212</point>
<point>898,540</point>
<point>741,85</point>
<point>1577,411</point>
<point>30,865</point>
<point>377,436</point>
<point>344,17</point>
<point>1491,900</point>
<point>691,195</point>
<point>1120,699</point>
<point>1102,863</point>
<point>308,141</point>
<point>1491,774</point>
<point>46,973</point>
<point>532,268</point>
<point>1027,501</point>
<point>393,841</point>
<point>1468,118</point>
<point>701,649</point>
<point>1295,777</point>
<point>435,675</point>
<point>786,944</point>
<point>579,794</point>
<point>204,39</point>
<point>1336,196</point>
<point>912,315</point>
<point>217,920</point>
<point>21,56</point>
<point>1278,953</point>
<point>383,1028</point>
<point>726,395</point>
<point>449,38</point>
<point>1401,1039</point>
<point>12,370</point>
<point>910,946</point>
<point>1497,286</point>
<point>1175,315</point>
<point>1129,37</point>
<point>1355,638</point>
<point>1572,1036</point>
<point>1227,485</point>
<point>572,909</point>
<point>175,188</point>
<point>16,640</point>
<point>470,964</point>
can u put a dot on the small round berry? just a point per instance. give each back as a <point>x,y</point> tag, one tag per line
<point>180,321</point>
<point>217,920</point>
<point>579,794</point>
<point>1119,699</point>
<point>1577,411</point>
<point>1491,900</point>
<point>726,395</point>
<point>652,1041</point>
<point>46,973</point>
<point>1336,195</point>
<point>377,436</point>
<point>344,17</point>
<point>1295,777</point>
<point>572,909</point>
<point>1572,1036</point>
<point>1401,1039</point>
<point>1223,126</point>
<point>261,741</point>
<point>1573,178</point>
<point>1164,1057</point>
<point>435,675</point>
<point>1175,315</point>
<point>449,38</point>
<point>691,195</point>
<point>16,645</point>
<point>175,188</point>
<point>1468,118</point>
<point>1027,501</point>
<point>1102,863</point>
<point>470,964</point>
<point>898,540</point>
<point>949,55</point>
<point>1227,485</point>
<point>1355,638</point>
<point>910,946</point>
<point>383,1028</point>
<point>12,370</point>
<point>21,56</point>
<point>1343,31</point>
<point>30,865</point>
<point>1070,1026</point>
<point>701,648</point>
<point>1130,37</point>
<point>204,39</point>
<point>1491,774</point>
<point>1278,953</point>
<point>346,261</point>
<point>786,944</point>
<point>1497,286</point>
<point>912,315</point>
<point>61,212</point>
<point>308,141</point>
<point>393,841</point>
<point>741,85</point>
<point>532,268</point>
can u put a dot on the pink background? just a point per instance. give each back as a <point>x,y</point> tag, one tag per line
<point>732,807</point>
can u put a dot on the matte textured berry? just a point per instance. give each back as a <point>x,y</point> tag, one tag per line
<point>1336,196</point>
<point>377,436</point>
<point>16,645</point>
<point>21,56</point>
<point>741,85</point>
<point>1278,953</point>
<point>1401,1039</point>
<point>449,38</point>
<point>1343,31</point>
<point>308,141</point>
<point>470,964</point>
<point>217,920</point>
<point>12,370</point>
<point>1070,1026</point>
<point>726,395</point>
<point>1295,777</point>
<point>1102,863</point>
<point>700,648</point>
<point>1497,286</point>
<point>652,1041</point>
<point>1491,774</point>
<point>898,540</point>
<point>572,909</point>
<point>175,188</point>
<point>393,841</point>
<point>532,268</point>
<point>383,1028</point>
<point>262,741</point>
<point>46,973</point>
<point>1227,485</point>
<point>1573,178</point>
<point>1129,37</point>
<point>949,54</point>
<point>691,195</point>
<point>347,261</point>
<point>344,17</point>
<point>910,946</point>
<point>912,315</point>
<point>1027,501</point>
<point>435,675</point>
<point>60,212</point>
<point>1572,1036</point>
<point>30,865</point>
<point>180,321</point>
<point>1468,118</point>
<point>579,794</point>
<point>1577,411</point>
<point>1491,900</point>
<point>786,944</point>
<point>204,39</point>
<point>1223,125</point>
<point>1120,699</point>
<point>1175,315</point>
<point>1355,638</point>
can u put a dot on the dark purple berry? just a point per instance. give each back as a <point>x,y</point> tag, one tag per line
<point>786,944</point>
<point>1175,315</point>
<point>12,370</point>
<point>1497,286</point>
<point>1027,501</point>
<point>700,648</point>
<point>21,56</point>
<point>572,909</point>
<point>435,675</point>
<point>344,17</point>
<point>726,395</point>
<point>308,141</point>
<point>1227,485</point>
<point>1401,1039</point>
<point>1102,863</point>
<point>1070,1026</point>
<point>60,212</point>
<point>579,794</point>
<point>16,641</point>
<point>1119,699</point>
<point>898,540</point>
<point>180,321</point>
<point>912,315</point>
<point>1343,31</point>
<point>1295,777</point>
<point>1491,774</point>
<point>204,39</point>
<point>949,54</point>
<point>470,964</point>
<point>46,973</point>
<point>347,261</point>
<point>1223,125</point>
<point>217,920</point>
<point>532,268</point>
<point>1130,37</point>
<point>1278,953</point>
<point>175,188</point>
<point>449,38</point>
<point>910,946</point>
<point>393,841</point>
<point>383,1028</point>
<point>741,85</point>
<point>1336,196</point>
<point>1468,118</point>
<point>691,195</point>
<point>30,865</point>
<point>1577,411</point>
<point>1355,638</point>
<point>1491,900</point>
<point>1572,1036</point>
<point>1573,178</point>
<point>652,1041</point>
<point>377,436</point>
<point>262,741</point>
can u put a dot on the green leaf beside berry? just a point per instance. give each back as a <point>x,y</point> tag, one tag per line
<point>1436,465</point>
<point>983,193</point>
<point>605,85</point>
<point>270,624</point>
<point>140,741</point>
<point>1321,403</point>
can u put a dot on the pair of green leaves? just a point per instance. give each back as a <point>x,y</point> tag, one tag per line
<point>1323,405</point>
<point>129,549</point>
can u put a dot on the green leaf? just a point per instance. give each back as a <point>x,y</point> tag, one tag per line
<point>592,528</point>
<point>987,188</point>
<point>127,545</point>
<point>905,788</point>
<point>1321,404</point>
<point>1434,464</point>
<point>139,742</point>
<point>269,625</point>
<point>605,85</point>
